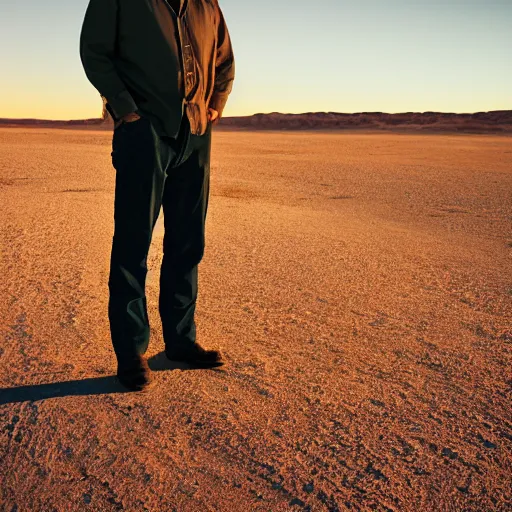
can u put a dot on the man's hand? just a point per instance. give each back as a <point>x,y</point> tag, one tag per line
<point>213,115</point>
<point>132,116</point>
<point>128,118</point>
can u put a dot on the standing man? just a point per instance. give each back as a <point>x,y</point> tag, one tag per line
<point>165,69</point>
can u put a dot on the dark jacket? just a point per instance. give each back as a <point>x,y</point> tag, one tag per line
<point>143,57</point>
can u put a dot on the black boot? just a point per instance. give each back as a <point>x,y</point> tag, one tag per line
<point>194,355</point>
<point>134,373</point>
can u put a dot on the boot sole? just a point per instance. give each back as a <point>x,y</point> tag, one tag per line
<point>195,362</point>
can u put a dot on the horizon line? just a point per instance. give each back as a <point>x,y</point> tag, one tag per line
<point>284,113</point>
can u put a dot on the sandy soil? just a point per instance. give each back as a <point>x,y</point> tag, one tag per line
<point>360,288</point>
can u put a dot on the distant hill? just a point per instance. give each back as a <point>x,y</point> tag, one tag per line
<point>497,121</point>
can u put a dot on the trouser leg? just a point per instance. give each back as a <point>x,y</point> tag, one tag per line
<point>140,159</point>
<point>185,202</point>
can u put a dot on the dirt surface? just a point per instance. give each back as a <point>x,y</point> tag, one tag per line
<point>359,286</point>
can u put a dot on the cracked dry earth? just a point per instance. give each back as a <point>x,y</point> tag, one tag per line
<point>359,285</point>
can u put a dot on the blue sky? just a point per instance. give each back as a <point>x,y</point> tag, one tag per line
<point>291,56</point>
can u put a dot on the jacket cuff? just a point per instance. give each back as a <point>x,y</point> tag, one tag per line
<point>218,102</point>
<point>122,104</point>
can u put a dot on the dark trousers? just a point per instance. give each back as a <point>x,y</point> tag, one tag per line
<point>154,172</point>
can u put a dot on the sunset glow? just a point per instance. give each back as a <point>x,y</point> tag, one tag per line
<point>291,56</point>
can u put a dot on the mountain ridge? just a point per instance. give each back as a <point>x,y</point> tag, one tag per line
<point>494,121</point>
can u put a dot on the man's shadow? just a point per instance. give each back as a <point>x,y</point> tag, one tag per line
<point>91,386</point>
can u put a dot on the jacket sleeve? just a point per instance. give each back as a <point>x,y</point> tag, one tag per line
<point>97,53</point>
<point>224,67</point>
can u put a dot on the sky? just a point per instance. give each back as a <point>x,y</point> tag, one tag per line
<point>291,56</point>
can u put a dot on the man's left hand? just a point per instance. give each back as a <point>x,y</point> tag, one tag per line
<point>213,115</point>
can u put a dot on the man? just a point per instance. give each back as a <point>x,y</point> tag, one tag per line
<point>165,69</point>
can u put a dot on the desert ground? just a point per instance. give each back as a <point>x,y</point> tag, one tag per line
<point>358,284</point>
